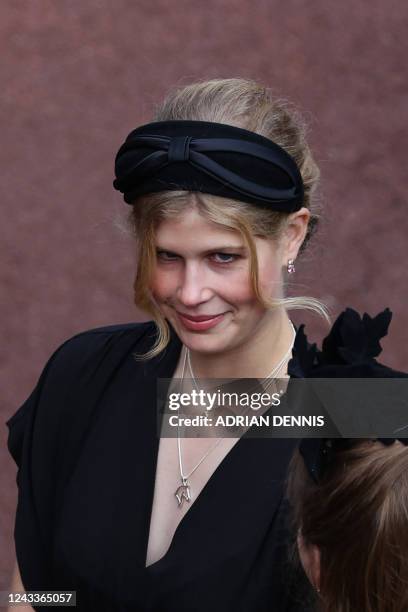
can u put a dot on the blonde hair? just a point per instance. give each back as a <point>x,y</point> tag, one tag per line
<point>249,105</point>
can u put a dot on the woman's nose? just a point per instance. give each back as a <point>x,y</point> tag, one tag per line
<point>192,289</point>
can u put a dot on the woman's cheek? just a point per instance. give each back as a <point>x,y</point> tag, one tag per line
<point>236,291</point>
<point>162,285</point>
<point>239,287</point>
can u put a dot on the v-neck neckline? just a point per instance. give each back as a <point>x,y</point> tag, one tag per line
<point>164,367</point>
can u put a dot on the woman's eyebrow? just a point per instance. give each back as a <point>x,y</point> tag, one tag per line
<point>215,249</point>
<point>227,248</point>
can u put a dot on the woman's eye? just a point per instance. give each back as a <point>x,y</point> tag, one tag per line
<point>224,257</point>
<point>219,258</point>
<point>166,255</point>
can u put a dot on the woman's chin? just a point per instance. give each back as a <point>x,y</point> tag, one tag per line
<point>204,342</point>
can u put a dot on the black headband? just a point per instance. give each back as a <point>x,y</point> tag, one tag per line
<point>348,351</point>
<point>215,158</point>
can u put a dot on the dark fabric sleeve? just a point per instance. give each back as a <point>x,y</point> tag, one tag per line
<point>32,536</point>
<point>17,427</point>
<point>39,436</point>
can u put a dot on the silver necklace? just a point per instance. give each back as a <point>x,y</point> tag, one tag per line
<point>183,491</point>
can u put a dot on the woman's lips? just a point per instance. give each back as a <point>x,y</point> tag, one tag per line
<point>199,323</point>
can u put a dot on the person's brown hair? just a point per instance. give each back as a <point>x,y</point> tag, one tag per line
<point>249,105</point>
<point>358,519</point>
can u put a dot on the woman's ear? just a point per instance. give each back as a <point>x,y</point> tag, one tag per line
<point>294,234</point>
<point>310,557</point>
<point>315,566</point>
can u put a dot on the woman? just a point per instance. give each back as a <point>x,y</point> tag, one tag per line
<point>350,496</point>
<point>222,191</point>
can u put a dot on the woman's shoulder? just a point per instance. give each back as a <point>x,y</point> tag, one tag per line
<point>135,331</point>
<point>79,367</point>
<point>88,356</point>
<point>107,341</point>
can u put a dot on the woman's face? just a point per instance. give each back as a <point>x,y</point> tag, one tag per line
<point>202,286</point>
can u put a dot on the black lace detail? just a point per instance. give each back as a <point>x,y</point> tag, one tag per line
<point>352,340</point>
<point>348,351</point>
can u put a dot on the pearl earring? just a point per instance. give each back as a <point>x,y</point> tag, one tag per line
<point>291,266</point>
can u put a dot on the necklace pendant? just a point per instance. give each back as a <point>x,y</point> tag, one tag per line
<point>183,493</point>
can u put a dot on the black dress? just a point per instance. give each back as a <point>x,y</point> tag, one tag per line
<point>86,445</point>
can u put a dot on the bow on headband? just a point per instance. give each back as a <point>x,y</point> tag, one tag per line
<point>348,351</point>
<point>209,157</point>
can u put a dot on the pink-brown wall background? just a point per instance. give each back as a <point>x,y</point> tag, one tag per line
<point>78,76</point>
